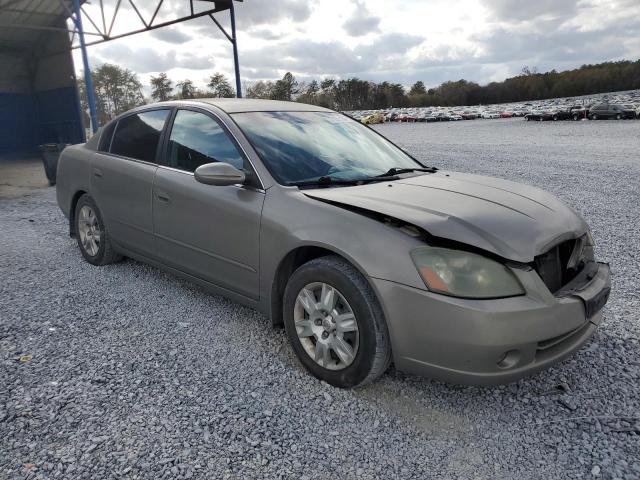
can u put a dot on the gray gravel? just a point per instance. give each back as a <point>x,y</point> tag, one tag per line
<point>127,372</point>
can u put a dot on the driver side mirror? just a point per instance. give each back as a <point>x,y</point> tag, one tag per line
<point>219,174</point>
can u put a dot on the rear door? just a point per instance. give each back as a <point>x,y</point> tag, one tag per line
<point>211,232</point>
<point>122,178</point>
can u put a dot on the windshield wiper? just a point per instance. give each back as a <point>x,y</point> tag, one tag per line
<point>397,171</point>
<point>391,174</point>
<point>322,181</point>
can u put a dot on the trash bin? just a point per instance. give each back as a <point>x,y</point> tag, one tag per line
<point>50,154</point>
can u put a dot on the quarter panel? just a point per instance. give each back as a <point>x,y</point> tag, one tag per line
<point>74,175</point>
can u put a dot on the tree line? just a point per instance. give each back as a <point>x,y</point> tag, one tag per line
<point>119,89</point>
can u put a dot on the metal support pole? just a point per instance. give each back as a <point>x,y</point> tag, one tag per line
<point>234,41</point>
<point>88,82</point>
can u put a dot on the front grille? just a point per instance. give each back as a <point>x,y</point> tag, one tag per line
<point>554,266</point>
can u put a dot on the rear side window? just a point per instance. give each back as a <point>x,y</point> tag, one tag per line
<point>106,136</point>
<point>137,135</point>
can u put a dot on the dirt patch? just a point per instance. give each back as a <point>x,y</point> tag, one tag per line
<point>20,176</point>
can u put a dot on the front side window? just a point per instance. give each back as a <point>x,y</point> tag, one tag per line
<point>137,135</point>
<point>304,146</point>
<point>196,139</point>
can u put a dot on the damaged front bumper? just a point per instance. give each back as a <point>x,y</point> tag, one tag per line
<point>486,342</point>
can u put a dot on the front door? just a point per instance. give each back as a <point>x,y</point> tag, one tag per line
<point>208,231</point>
<point>122,179</point>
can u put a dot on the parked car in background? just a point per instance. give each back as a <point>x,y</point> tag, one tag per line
<point>539,115</point>
<point>579,112</point>
<point>560,114</point>
<point>491,115</point>
<point>326,226</point>
<point>609,111</point>
<point>373,119</point>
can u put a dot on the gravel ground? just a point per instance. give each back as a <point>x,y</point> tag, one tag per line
<point>127,372</point>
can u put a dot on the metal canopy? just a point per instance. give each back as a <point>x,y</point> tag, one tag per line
<point>25,23</point>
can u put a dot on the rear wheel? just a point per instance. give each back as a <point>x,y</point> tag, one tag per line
<point>555,118</point>
<point>92,235</point>
<point>335,323</point>
<point>594,116</point>
<point>618,117</point>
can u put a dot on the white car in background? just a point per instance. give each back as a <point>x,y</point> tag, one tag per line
<point>490,115</point>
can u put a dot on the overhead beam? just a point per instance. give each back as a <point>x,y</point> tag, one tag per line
<point>110,37</point>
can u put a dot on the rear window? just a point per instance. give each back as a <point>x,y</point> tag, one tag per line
<point>137,135</point>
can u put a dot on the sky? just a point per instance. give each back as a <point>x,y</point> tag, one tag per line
<point>429,40</point>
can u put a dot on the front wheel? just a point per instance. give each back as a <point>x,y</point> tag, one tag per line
<point>335,323</point>
<point>618,117</point>
<point>594,117</point>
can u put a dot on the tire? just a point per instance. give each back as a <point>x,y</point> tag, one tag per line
<point>98,253</point>
<point>555,118</point>
<point>575,118</point>
<point>618,117</point>
<point>370,344</point>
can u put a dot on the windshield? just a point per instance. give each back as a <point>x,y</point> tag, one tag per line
<point>305,146</point>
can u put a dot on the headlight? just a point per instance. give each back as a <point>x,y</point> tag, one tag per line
<point>463,274</point>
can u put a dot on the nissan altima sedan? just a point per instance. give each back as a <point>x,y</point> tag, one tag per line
<point>365,254</point>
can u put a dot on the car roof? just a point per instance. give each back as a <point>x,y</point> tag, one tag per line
<point>238,105</point>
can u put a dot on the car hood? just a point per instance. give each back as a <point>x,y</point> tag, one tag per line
<point>512,220</point>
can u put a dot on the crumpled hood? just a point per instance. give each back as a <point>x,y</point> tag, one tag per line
<point>515,221</point>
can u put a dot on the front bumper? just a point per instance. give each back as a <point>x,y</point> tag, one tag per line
<point>487,342</point>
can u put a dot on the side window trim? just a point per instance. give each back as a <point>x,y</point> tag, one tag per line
<point>113,134</point>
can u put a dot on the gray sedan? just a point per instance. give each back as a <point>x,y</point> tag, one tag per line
<point>365,254</point>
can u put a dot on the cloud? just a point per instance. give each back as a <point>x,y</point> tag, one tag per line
<point>551,48</point>
<point>147,60</point>
<point>361,22</point>
<point>528,10</point>
<point>171,35</point>
<point>310,58</point>
<point>265,34</point>
<point>480,40</point>
<point>313,58</point>
<point>263,12</point>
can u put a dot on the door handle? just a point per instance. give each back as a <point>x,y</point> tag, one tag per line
<point>164,198</point>
<point>97,173</point>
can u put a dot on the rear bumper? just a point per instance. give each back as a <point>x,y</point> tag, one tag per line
<point>487,342</point>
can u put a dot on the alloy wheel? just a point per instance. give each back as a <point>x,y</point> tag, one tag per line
<point>326,326</point>
<point>89,230</point>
